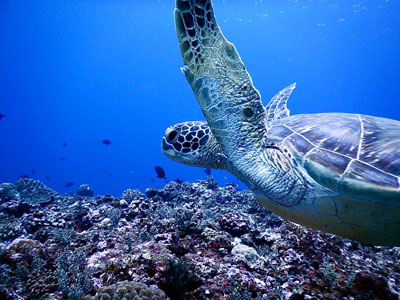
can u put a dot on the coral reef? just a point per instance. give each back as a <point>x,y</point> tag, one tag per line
<point>7,192</point>
<point>33,191</point>
<point>85,190</point>
<point>185,241</point>
<point>129,291</point>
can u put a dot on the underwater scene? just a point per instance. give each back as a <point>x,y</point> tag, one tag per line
<point>199,149</point>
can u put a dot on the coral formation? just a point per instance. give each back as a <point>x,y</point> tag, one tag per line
<point>34,191</point>
<point>185,241</point>
<point>7,192</point>
<point>85,190</point>
<point>128,291</point>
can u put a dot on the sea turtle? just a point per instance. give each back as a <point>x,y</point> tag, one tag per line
<point>336,172</point>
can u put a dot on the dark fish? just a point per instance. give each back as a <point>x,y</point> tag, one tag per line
<point>109,175</point>
<point>2,116</point>
<point>24,176</point>
<point>62,158</point>
<point>47,178</point>
<point>69,184</point>
<point>178,181</point>
<point>152,180</point>
<point>64,145</point>
<point>160,172</point>
<point>33,171</point>
<point>107,142</point>
<point>207,171</point>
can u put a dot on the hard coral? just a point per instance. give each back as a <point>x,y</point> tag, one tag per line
<point>21,251</point>
<point>15,207</point>
<point>8,192</point>
<point>40,284</point>
<point>373,286</point>
<point>34,191</point>
<point>179,280</point>
<point>129,291</point>
<point>85,190</point>
<point>234,224</point>
<point>129,195</point>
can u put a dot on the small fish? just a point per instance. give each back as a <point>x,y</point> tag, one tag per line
<point>64,144</point>
<point>24,176</point>
<point>160,172</point>
<point>47,178</point>
<point>234,185</point>
<point>33,171</point>
<point>207,171</point>
<point>152,180</point>
<point>110,175</point>
<point>178,181</point>
<point>62,158</point>
<point>107,142</point>
<point>2,116</point>
<point>69,184</point>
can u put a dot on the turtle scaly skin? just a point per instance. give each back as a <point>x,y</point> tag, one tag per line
<point>338,173</point>
<point>193,144</point>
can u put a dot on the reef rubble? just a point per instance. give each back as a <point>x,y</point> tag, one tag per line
<point>185,241</point>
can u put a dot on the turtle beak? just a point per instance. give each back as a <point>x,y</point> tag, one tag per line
<point>165,147</point>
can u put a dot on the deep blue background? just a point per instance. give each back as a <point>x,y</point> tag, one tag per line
<point>82,71</point>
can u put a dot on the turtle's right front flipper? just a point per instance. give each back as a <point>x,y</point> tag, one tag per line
<point>220,82</point>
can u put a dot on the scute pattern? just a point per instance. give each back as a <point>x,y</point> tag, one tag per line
<point>339,133</point>
<point>326,166</point>
<point>355,155</point>
<point>299,145</point>
<point>381,144</point>
<point>363,180</point>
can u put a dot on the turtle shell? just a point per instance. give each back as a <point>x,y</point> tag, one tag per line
<point>354,155</point>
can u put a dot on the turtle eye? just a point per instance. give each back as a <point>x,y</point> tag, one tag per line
<point>171,136</point>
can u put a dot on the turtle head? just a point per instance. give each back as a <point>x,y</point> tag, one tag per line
<point>192,143</point>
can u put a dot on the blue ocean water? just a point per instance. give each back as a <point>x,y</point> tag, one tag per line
<point>73,73</point>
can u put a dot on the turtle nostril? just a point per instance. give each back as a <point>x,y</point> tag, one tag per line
<point>171,136</point>
<point>248,112</point>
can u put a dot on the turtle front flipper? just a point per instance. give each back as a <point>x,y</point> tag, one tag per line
<point>231,103</point>
<point>217,76</point>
